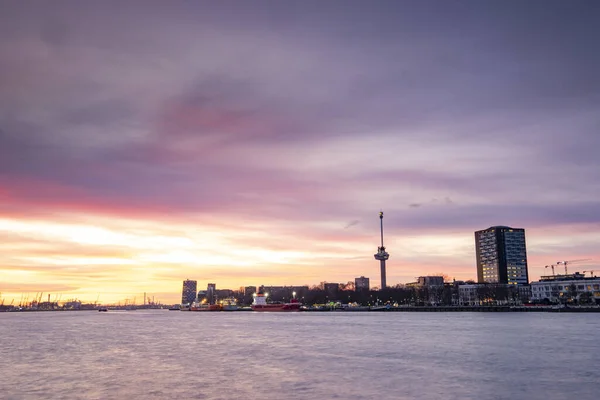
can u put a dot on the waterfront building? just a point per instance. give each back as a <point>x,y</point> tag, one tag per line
<point>496,294</point>
<point>524,293</point>
<point>223,293</point>
<point>430,288</point>
<point>188,293</point>
<point>275,291</point>
<point>566,288</point>
<point>211,293</point>
<point>361,284</point>
<point>331,290</point>
<point>427,281</point>
<point>283,293</point>
<point>501,255</point>
<point>468,295</point>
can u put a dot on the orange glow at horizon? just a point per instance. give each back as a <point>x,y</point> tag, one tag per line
<point>116,259</point>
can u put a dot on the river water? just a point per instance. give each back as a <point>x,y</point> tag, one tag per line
<point>156,354</point>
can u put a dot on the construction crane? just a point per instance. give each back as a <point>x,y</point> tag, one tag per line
<point>551,266</point>
<point>591,272</point>
<point>565,263</point>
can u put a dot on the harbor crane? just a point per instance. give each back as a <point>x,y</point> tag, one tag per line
<point>591,272</point>
<point>565,263</point>
<point>551,266</point>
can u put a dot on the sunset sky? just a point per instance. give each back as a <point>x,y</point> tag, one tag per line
<point>255,142</point>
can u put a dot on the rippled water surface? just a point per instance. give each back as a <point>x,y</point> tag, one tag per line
<point>158,354</point>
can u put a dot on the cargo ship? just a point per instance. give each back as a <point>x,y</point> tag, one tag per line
<point>260,304</point>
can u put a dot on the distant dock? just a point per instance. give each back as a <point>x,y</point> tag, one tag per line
<point>555,308</point>
<point>488,309</point>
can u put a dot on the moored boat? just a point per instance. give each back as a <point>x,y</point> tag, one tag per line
<point>381,308</point>
<point>260,304</point>
<point>205,307</point>
<point>229,304</point>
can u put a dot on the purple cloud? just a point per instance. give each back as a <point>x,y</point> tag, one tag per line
<point>305,112</point>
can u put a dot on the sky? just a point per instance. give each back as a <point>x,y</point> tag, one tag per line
<point>247,143</point>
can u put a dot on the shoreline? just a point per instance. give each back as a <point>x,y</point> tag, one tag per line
<point>562,309</point>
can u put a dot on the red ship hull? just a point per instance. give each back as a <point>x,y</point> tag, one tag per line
<point>287,307</point>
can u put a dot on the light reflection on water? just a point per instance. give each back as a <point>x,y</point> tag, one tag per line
<point>156,354</point>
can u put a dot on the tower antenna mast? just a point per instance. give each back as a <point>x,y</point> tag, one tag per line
<point>381,225</point>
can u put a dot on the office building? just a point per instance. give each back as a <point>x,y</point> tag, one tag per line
<point>430,288</point>
<point>223,293</point>
<point>283,293</point>
<point>188,293</point>
<point>427,281</point>
<point>497,294</point>
<point>211,293</point>
<point>361,283</point>
<point>501,255</point>
<point>468,295</point>
<point>566,288</point>
<point>331,288</point>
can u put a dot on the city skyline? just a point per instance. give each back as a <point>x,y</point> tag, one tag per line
<point>250,144</point>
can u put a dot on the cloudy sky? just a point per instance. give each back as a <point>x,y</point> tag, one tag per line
<point>254,142</point>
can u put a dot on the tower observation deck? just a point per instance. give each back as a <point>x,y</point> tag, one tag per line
<point>382,255</point>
